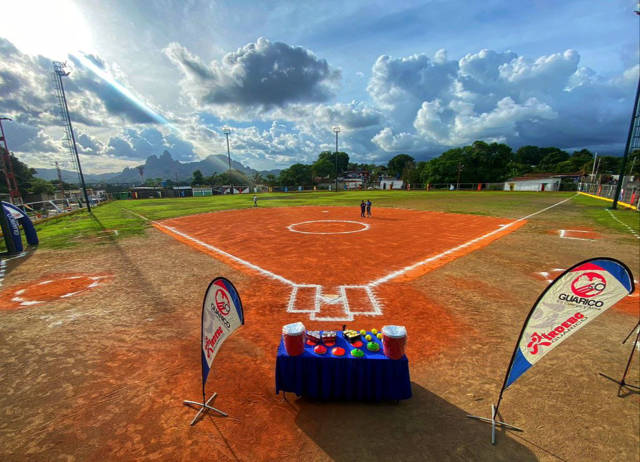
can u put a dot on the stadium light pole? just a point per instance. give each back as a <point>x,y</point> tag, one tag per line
<point>634,126</point>
<point>226,131</point>
<point>58,69</point>
<point>7,168</point>
<point>336,130</point>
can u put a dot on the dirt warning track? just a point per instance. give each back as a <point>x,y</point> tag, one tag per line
<point>333,259</point>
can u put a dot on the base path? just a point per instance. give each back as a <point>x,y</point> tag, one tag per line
<point>333,259</point>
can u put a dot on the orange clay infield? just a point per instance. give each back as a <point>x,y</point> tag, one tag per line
<point>333,259</point>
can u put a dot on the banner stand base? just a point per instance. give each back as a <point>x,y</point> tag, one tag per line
<point>622,384</point>
<point>493,423</point>
<point>203,408</point>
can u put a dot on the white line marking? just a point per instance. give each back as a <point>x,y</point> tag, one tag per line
<point>228,255</point>
<point>138,215</point>
<point>319,297</point>
<point>563,234</point>
<point>404,270</point>
<point>292,226</point>
<point>631,230</point>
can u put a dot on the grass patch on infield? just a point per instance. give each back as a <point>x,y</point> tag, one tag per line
<point>115,219</point>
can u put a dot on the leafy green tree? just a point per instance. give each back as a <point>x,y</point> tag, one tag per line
<point>323,168</point>
<point>397,164</point>
<point>271,179</point>
<point>551,159</point>
<point>23,174</point>
<point>582,160</point>
<point>257,178</point>
<point>232,177</point>
<point>479,162</point>
<point>296,175</point>
<point>198,178</point>
<point>40,186</point>
<point>343,160</point>
<point>153,181</point>
<point>529,155</point>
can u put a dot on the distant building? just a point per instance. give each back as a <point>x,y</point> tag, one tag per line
<point>353,183</point>
<point>182,191</point>
<point>147,192</point>
<point>202,191</point>
<point>538,182</point>
<point>390,183</point>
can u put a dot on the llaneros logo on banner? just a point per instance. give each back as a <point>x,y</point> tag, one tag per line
<point>553,335</point>
<point>588,285</point>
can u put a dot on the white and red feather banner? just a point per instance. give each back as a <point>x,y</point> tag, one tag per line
<point>574,299</point>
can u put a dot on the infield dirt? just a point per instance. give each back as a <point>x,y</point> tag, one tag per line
<point>101,375</point>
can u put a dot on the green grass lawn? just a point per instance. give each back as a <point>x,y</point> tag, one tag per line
<point>82,228</point>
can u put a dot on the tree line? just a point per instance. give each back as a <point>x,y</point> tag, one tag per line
<point>479,162</point>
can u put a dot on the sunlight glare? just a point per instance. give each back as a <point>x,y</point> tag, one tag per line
<point>44,27</point>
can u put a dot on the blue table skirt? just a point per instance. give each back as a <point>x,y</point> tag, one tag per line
<point>373,377</point>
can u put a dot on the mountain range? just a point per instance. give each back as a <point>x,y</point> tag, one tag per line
<point>163,166</point>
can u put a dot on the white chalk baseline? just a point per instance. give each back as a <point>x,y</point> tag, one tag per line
<point>320,298</point>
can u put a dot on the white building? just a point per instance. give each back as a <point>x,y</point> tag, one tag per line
<point>546,182</point>
<point>390,183</point>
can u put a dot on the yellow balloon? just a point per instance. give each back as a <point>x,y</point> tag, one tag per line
<point>374,331</point>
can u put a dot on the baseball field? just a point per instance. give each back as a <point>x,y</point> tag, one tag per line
<point>100,328</point>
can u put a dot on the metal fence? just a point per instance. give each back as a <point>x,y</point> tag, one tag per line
<point>629,193</point>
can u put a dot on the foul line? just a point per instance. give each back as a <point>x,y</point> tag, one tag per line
<point>226,254</point>
<point>342,298</point>
<point>631,230</point>
<point>406,269</point>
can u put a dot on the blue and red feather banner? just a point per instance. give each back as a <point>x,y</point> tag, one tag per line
<point>222,314</point>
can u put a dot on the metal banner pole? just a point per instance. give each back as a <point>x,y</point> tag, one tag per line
<point>621,383</point>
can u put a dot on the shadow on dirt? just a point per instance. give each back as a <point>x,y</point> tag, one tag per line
<point>425,427</point>
<point>135,274</point>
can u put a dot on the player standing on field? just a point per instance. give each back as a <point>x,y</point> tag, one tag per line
<point>368,207</point>
<point>363,206</point>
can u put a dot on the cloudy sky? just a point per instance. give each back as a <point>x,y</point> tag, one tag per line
<point>397,77</point>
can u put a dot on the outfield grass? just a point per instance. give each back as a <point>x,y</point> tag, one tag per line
<point>596,209</point>
<point>116,216</point>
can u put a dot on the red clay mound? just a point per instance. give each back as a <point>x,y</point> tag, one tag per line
<point>50,288</point>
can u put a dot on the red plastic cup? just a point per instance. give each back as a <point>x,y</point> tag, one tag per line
<point>293,336</point>
<point>394,339</point>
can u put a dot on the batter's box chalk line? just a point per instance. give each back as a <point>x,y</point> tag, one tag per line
<point>320,299</point>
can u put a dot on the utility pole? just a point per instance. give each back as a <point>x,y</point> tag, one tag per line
<point>336,130</point>
<point>7,168</point>
<point>460,167</point>
<point>593,169</point>
<point>226,131</point>
<point>59,72</point>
